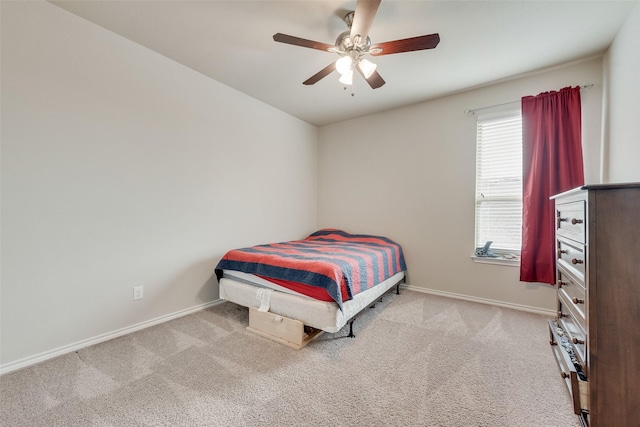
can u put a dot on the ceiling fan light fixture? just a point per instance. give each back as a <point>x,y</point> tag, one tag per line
<point>347,77</point>
<point>367,67</point>
<point>343,65</point>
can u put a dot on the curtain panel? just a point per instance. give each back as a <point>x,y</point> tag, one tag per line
<point>552,163</point>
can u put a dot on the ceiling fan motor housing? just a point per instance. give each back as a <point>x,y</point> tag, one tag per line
<point>346,45</point>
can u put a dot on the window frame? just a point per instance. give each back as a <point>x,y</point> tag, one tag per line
<point>506,255</point>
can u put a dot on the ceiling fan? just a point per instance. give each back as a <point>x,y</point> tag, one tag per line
<point>354,44</point>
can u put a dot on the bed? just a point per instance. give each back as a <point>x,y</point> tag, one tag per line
<point>298,289</point>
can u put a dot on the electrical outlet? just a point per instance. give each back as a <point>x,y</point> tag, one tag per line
<point>138,292</point>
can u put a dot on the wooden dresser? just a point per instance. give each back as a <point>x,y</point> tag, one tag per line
<point>596,335</point>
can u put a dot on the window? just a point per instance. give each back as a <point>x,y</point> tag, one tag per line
<point>499,182</point>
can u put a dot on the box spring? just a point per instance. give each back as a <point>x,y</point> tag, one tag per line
<point>323,315</point>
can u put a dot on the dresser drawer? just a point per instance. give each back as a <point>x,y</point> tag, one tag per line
<point>570,220</point>
<point>574,327</point>
<point>572,375</point>
<point>573,290</point>
<point>571,256</point>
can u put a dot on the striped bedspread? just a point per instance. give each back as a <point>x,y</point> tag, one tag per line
<point>341,263</point>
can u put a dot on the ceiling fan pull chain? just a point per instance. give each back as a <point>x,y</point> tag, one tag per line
<point>353,92</point>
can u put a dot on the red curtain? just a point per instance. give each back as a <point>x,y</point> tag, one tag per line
<point>552,163</point>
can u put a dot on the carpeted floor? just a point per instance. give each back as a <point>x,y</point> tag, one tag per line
<point>417,360</point>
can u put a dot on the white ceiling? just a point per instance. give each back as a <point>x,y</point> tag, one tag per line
<point>481,41</point>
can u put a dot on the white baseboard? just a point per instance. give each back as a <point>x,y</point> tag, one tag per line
<point>41,357</point>
<point>536,310</point>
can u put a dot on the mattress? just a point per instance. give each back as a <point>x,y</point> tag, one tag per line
<point>252,291</point>
<point>252,279</point>
<point>330,264</point>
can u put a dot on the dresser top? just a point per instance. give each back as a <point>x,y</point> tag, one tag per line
<point>611,186</point>
<point>596,187</point>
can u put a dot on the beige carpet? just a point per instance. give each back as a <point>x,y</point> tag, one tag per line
<point>417,360</point>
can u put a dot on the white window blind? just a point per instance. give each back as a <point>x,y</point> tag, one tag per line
<point>499,182</point>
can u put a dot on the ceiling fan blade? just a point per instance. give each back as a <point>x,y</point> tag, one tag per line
<point>375,80</point>
<point>363,18</point>
<point>406,45</point>
<point>320,74</point>
<point>297,41</point>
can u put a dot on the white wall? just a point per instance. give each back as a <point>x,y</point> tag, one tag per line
<point>122,167</point>
<point>409,174</point>
<point>621,137</point>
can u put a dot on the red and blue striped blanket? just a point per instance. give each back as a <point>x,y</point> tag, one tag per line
<point>340,263</point>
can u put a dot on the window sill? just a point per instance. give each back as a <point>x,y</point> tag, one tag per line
<point>500,260</point>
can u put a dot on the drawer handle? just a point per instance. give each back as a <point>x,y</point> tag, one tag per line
<point>577,300</point>
<point>573,221</point>
<point>561,315</point>
<point>562,251</point>
<point>577,341</point>
<point>577,261</point>
<point>561,283</point>
<point>564,374</point>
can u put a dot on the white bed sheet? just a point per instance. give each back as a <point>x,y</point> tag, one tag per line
<point>312,312</point>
